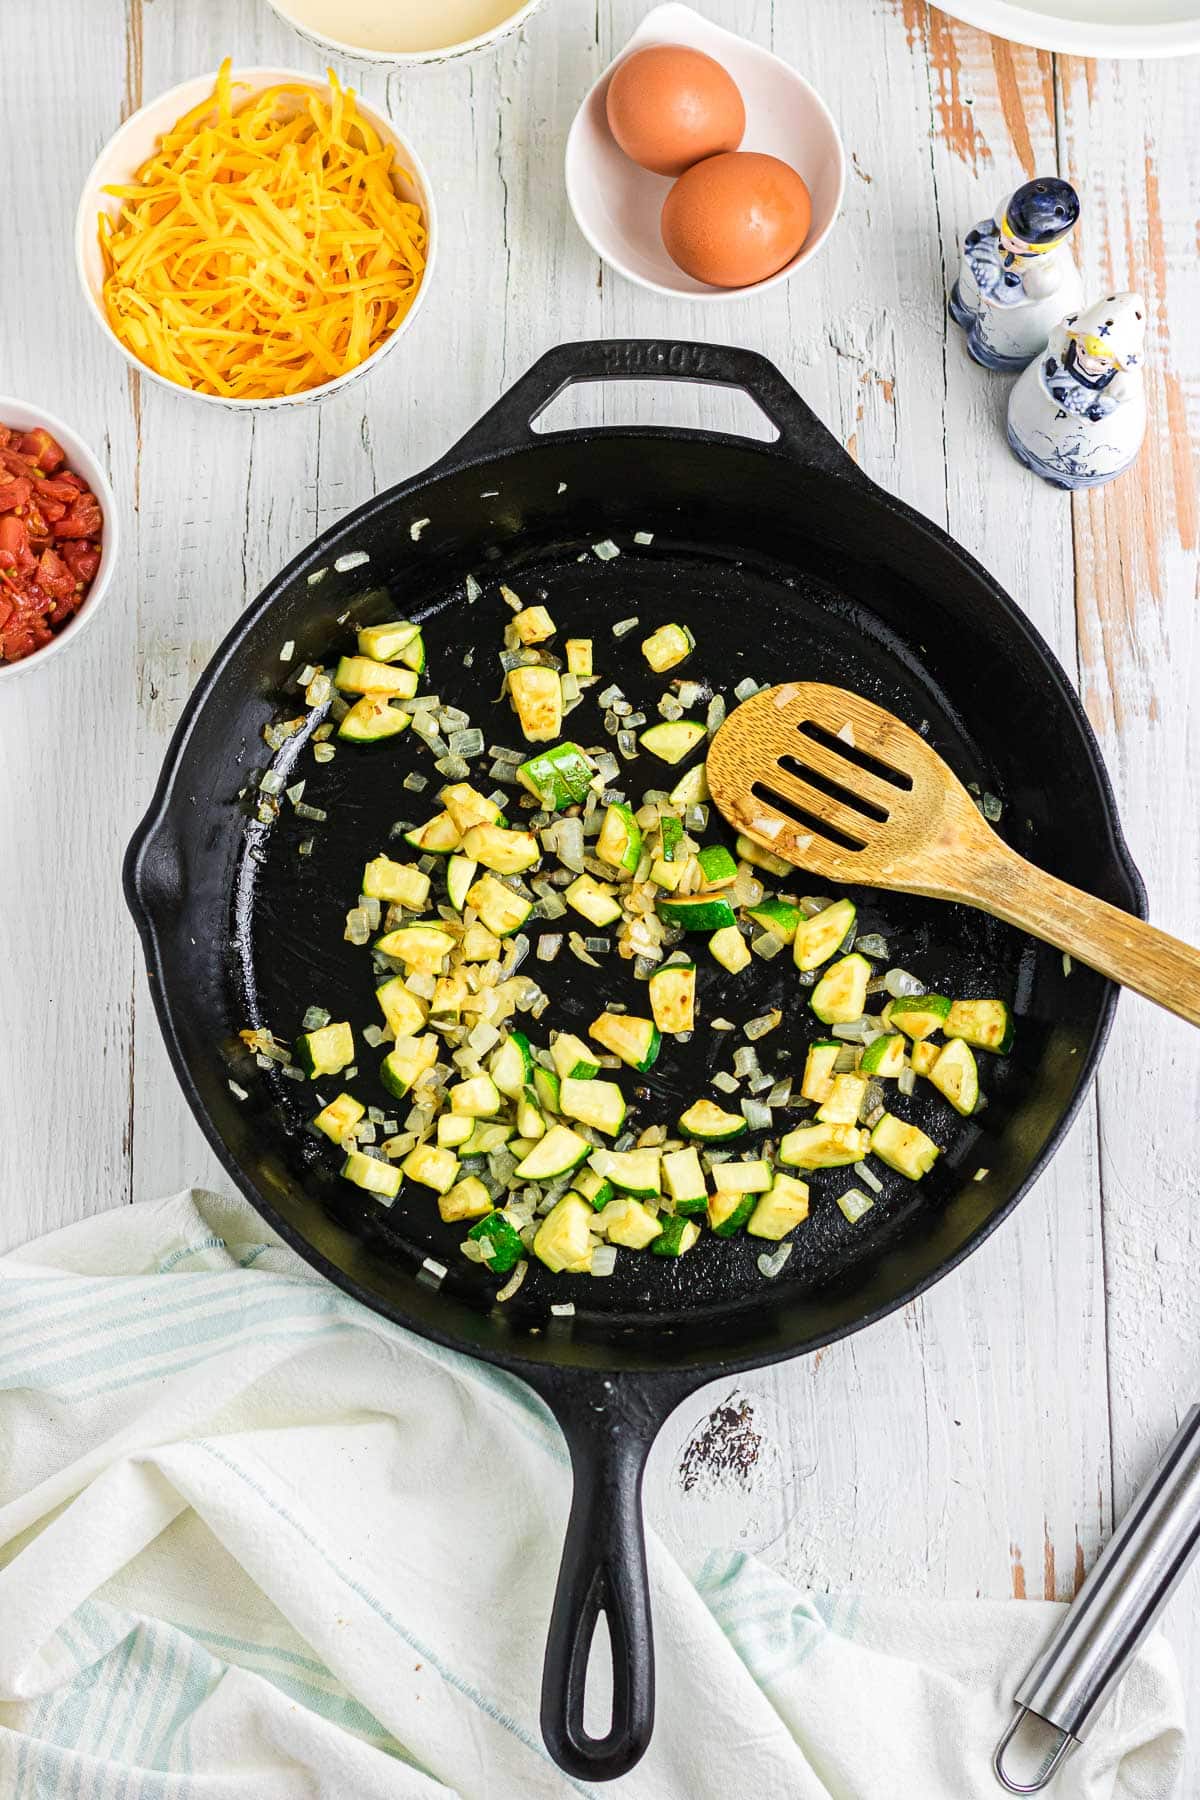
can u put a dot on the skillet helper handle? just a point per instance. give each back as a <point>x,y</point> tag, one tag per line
<point>1117,1606</point>
<point>509,424</point>
<point>610,1425</point>
<point>1140,956</point>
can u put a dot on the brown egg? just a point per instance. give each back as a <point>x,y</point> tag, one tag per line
<point>733,220</point>
<point>668,106</point>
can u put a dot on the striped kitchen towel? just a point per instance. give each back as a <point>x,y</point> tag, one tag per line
<point>257,1544</point>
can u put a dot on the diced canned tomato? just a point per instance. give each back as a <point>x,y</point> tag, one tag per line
<point>50,540</point>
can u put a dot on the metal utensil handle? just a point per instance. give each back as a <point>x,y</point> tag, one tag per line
<point>1117,1606</point>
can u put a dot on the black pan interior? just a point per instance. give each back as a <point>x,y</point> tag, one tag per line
<point>781,574</point>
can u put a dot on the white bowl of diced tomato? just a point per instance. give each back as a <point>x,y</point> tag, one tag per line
<point>58,535</point>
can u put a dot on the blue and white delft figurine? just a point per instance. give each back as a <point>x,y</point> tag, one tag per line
<point>1077,416</point>
<point>1017,277</point>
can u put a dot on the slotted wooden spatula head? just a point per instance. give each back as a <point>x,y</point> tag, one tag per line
<point>833,783</point>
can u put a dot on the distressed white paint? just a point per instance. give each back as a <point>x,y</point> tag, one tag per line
<point>987,1432</point>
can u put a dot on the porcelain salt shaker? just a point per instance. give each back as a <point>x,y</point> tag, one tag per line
<point>1077,416</point>
<point>1017,277</point>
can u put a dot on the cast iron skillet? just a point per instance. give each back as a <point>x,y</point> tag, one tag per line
<point>786,562</point>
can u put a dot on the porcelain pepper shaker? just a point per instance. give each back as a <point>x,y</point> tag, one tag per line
<point>1017,277</point>
<point>1077,416</point>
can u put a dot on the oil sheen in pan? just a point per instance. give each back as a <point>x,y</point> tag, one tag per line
<point>761,621</point>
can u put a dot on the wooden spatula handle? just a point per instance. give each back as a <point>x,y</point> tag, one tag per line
<point>1138,955</point>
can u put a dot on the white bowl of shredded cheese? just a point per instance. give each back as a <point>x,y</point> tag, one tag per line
<point>140,138</point>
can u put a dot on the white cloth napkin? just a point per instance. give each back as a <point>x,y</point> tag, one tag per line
<point>256,1542</point>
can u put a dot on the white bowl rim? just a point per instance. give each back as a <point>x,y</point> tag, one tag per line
<point>1075,36</point>
<point>181,95</point>
<point>705,296</point>
<point>79,453</point>
<point>525,9</point>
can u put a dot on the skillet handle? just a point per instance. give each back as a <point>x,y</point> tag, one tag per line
<point>509,424</point>
<point>610,1424</point>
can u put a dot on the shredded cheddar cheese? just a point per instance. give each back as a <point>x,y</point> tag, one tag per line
<point>263,249</point>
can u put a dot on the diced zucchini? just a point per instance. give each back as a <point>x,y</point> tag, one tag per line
<point>454,1130</point>
<point>326,1051</point>
<point>666,874</point>
<point>750,1177</point>
<point>596,1190</point>
<point>403,1011</point>
<point>672,992</point>
<point>478,944</point>
<point>511,1067</point>
<point>533,625</point>
<point>696,912</point>
<point>501,910</point>
<point>572,1057</point>
<point>924,1055</point>
<point>339,1117</point>
<point>402,1066</point>
<point>432,1167</point>
<point>783,1206</point>
<point>684,1181</point>
<point>369,1172</point>
<point>751,852</point>
<point>819,938</point>
<point>507,852</point>
<point>372,719</point>
<point>707,1121</point>
<point>671,833</point>
<point>676,1237</point>
<point>728,1210</point>
<point>438,837</point>
<point>468,807</point>
<point>956,1075</point>
<point>467,1199</point>
<point>636,1041</point>
<point>823,1146</point>
<point>628,1222</point>
<point>383,643</point>
<point>401,883</point>
<point>730,949</point>
<point>988,1024</point>
<point>489,1135</point>
<point>673,739</point>
<point>717,867</point>
<point>564,1240</point>
<point>667,646</point>
<point>448,995</point>
<point>600,1104</point>
<point>844,1102</point>
<point>841,993</point>
<point>501,1242</point>
<point>620,841</point>
<point>560,1151</point>
<point>779,916</point>
<point>818,1069</point>
<point>363,675</point>
<point>530,1122</point>
<point>579,656</point>
<point>637,1172</point>
<point>916,1015</point>
<point>884,1056</point>
<point>460,873</point>
<point>691,789</point>
<point>536,694</point>
<point>558,777</point>
<point>547,1087</point>
<point>419,947</point>
<point>904,1148</point>
<point>594,899</point>
<point>476,1098</point>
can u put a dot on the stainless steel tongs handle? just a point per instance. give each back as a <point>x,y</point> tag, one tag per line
<point>1115,1609</point>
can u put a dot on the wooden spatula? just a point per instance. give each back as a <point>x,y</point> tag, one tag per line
<point>831,782</point>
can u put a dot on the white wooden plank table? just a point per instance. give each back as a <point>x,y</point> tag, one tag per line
<point>981,1440</point>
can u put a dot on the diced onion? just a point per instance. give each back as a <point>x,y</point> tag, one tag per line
<point>854,1203</point>
<point>727,1083</point>
<point>605,550</point>
<point>604,1259</point>
<point>757,1115</point>
<point>770,1265</point>
<point>866,1173</point>
<point>900,983</point>
<point>549,945</point>
<point>746,688</point>
<point>906,1080</point>
<point>871,944</point>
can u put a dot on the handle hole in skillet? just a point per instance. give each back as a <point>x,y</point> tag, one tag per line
<point>598,1682</point>
<point>698,405</point>
<point>819,827</point>
<point>862,759</point>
